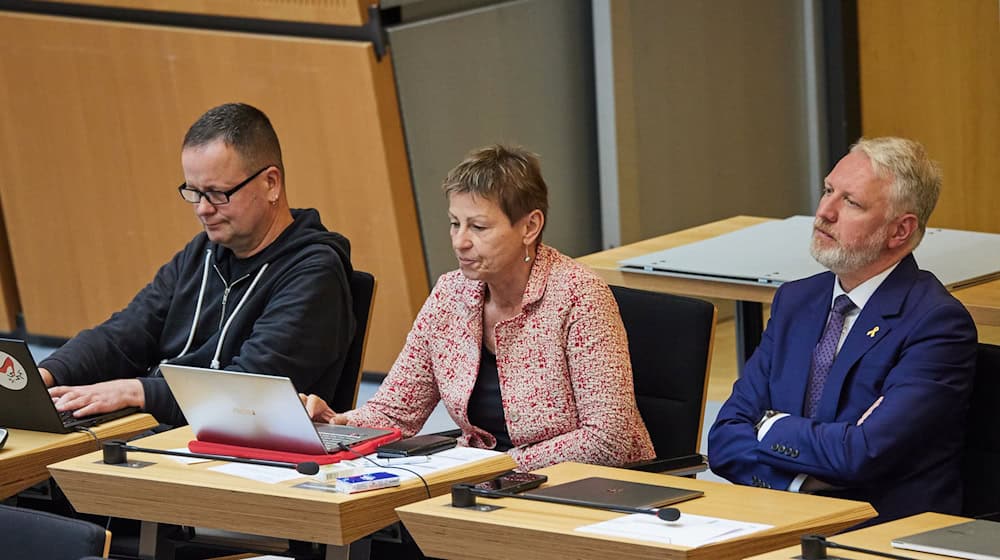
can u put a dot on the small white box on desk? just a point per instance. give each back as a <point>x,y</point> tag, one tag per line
<point>363,482</point>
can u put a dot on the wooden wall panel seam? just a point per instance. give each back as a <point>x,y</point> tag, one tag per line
<point>339,12</point>
<point>366,29</point>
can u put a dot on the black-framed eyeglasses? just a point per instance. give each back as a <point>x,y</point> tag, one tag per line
<point>215,198</point>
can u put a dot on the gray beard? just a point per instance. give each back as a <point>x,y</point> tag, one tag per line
<point>842,261</point>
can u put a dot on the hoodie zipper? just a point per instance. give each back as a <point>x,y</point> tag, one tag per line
<point>225,294</point>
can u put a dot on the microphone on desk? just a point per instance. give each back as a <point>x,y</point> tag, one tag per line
<point>814,548</point>
<point>115,453</point>
<point>464,495</point>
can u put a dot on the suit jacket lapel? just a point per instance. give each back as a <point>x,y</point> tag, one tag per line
<point>872,325</point>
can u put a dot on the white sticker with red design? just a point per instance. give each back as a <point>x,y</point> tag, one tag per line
<point>12,374</point>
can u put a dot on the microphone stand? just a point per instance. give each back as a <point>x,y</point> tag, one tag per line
<point>464,495</point>
<point>115,453</point>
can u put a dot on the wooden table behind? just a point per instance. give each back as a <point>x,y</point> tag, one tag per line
<point>526,529</point>
<point>605,264</point>
<point>982,300</point>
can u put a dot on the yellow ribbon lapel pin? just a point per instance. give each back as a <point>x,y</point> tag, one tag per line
<point>873,332</point>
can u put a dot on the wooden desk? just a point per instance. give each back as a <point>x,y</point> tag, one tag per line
<point>172,492</point>
<point>748,298</point>
<point>878,538</point>
<point>526,529</point>
<point>24,457</point>
<point>982,300</point>
<point>605,264</point>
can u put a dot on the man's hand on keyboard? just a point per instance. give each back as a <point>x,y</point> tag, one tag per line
<point>107,396</point>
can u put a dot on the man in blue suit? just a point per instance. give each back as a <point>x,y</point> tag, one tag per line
<point>860,386</point>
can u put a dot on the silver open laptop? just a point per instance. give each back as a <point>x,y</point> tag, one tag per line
<point>252,410</point>
<point>775,252</point>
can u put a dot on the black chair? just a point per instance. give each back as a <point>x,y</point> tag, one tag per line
<point>29,533</point>
<point>345,396</point>
<point>981,455</point>
<point>670,342</point>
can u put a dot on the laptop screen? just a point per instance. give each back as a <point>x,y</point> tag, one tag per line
<point>25,403</point>
<point>251,410</point>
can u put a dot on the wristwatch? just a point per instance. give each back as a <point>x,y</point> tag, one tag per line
<point>768,414</point>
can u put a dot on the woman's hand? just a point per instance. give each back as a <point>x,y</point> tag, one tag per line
<point>319,411</point>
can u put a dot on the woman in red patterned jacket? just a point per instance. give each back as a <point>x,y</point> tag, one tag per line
<point>524,346</point>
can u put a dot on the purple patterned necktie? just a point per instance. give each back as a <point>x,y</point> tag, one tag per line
<point>825,352</point>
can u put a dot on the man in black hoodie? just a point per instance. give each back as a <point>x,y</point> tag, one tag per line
<point>263,289</point>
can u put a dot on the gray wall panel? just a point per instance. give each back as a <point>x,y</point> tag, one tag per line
<point>711,111</point>
<point>518,72</point>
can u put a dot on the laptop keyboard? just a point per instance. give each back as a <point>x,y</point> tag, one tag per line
<point>70,421</point>
<point>67,418</point>
<point>333,440</point>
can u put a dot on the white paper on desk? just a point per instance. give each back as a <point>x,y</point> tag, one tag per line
<point>271,475</point>
<point>186,460</point>
<point>440,461</point>
<point>465,454</point>
<point>689,530</point>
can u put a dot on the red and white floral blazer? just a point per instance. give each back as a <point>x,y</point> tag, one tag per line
<point>563,364</point>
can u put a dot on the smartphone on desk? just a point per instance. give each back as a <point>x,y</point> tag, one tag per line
<point>513,482</point>
<point>416,445</point>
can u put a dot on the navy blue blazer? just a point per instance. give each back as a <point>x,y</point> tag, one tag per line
<point>913,343</point>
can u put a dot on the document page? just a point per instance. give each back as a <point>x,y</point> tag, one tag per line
<point>443,460</point>
<point>690,530</point>
<point>270,475</point>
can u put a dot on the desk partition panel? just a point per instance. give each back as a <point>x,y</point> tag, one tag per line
<point>94,114</point>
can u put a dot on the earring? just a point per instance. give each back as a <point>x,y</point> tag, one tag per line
<point>527,257</point>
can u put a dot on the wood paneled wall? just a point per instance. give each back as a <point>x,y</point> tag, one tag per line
<point>930,71</point>
<point>338,12</point>
<point>93,117</point>
<point>10,304</point>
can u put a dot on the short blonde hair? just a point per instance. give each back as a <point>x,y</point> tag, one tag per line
<point>916,180</point>
<point>509,176</point>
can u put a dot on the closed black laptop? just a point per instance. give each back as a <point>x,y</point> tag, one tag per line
<point>25,403</point>
<point>611,492</point>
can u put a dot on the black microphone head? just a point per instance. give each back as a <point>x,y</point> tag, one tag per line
<point>308,467</point>
<point>813,547</point>
<point>668,514</point>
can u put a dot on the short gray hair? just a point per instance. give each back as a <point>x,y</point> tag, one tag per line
<point>916,180</point>
<point>242,127</point>
<point>508,176</point>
